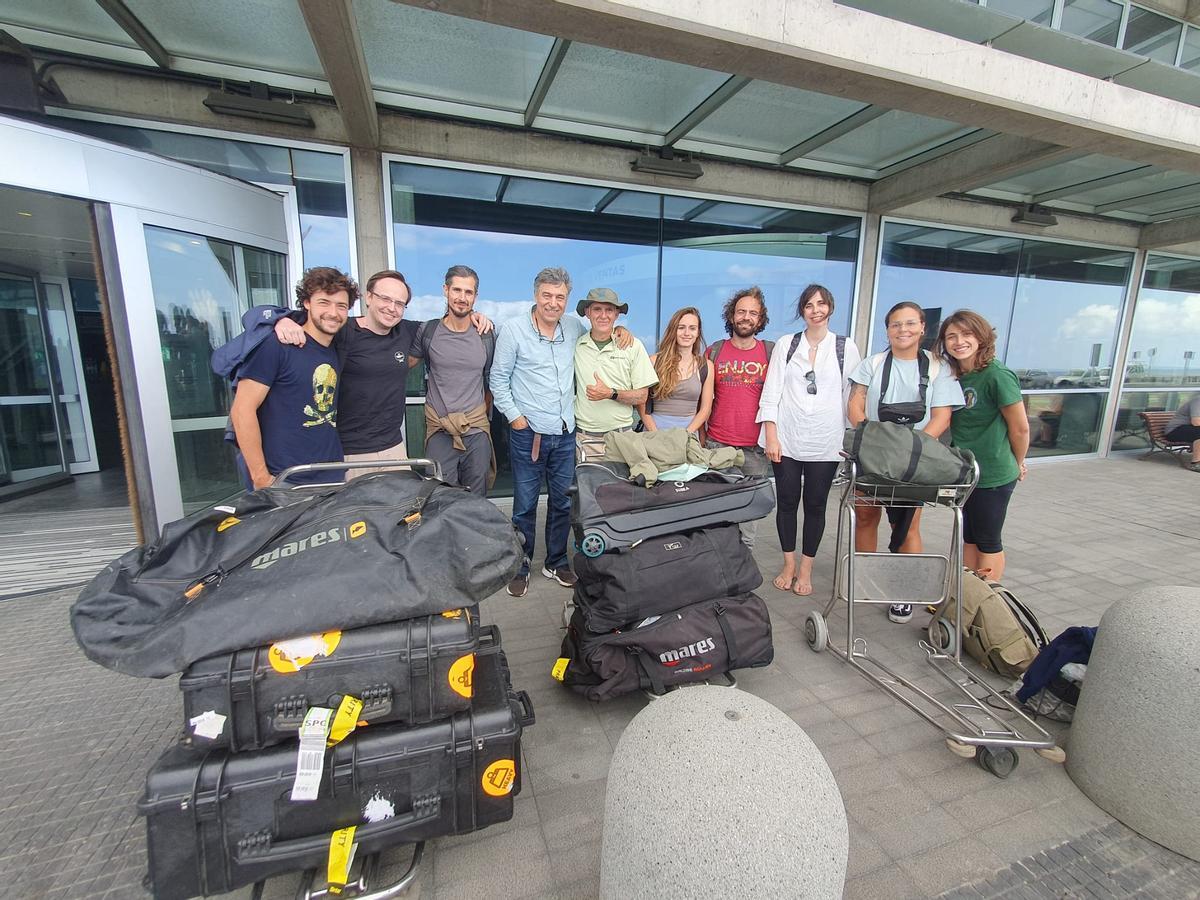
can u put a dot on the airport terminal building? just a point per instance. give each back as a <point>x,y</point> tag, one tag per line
<point>166,166</point>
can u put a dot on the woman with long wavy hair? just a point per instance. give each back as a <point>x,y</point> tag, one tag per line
<point>993,425</point>
<point>683,397</point>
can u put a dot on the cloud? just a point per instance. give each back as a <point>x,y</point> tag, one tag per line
<point>1167,318</point>
<point>1094,321</point>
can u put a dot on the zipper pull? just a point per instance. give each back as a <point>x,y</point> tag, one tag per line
<point>196,589</point>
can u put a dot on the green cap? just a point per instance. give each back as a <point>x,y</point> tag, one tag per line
<point>601,295</point>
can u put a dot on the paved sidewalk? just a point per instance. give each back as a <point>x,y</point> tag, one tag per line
<point>78,739</point>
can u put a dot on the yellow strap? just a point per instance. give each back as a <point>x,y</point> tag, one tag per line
<point>344,720</point>
<point>341,846</point>
<point>560,668</point>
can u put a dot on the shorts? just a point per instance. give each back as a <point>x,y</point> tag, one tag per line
<point>983,517</point>
<point>1184,434</point>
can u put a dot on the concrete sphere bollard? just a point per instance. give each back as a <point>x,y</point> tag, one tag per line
<point>1133,744</point>
<point>713,792</point>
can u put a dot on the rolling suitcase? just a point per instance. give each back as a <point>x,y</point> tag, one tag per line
<point>663,574</point>
<point>609,511</point>
<point>412,671</point>
<point>217,821</point>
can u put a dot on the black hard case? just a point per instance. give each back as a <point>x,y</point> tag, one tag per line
<point>217,821</point>
<point>402,671</point>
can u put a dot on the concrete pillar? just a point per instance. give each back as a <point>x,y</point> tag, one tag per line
<point>370,228</point>
<point>860,328</point>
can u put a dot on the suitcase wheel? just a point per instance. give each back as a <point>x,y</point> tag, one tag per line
<point>592,545</point>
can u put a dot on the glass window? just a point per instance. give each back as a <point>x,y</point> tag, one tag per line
<point>1129,433</point>
<point>772,118</point>
<point>1097,20</point>
<point>1060,424</point>
<point>1152,35</point>
<point>893,137</point>
<point>1191,50</point>
<point>70,402</point>
<point>1038,11</point>
<point>945,271</point>
<point>320,180</point>
<point>1165,340</point>
<point>1068,302</point>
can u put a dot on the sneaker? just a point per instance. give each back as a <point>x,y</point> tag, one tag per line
<point>1195,467</point>
<point>900,612</point>
<point>518,586</point>
<point>563,575</point>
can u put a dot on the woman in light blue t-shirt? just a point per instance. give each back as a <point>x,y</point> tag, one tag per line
<point>887,388</point>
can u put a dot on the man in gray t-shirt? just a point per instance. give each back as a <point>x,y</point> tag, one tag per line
<point>457,359</point>
<point>1185,426</point>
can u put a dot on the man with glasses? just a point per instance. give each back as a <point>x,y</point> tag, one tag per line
<point>458,360</point>
<point>739,371</point>
<point>374,350</point>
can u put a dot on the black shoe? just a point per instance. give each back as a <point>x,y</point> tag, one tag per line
<point>900,612</point>
<point>563,575</point>
<point>518,586</point>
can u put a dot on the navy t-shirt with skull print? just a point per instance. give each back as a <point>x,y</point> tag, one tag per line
<point>298,418</point>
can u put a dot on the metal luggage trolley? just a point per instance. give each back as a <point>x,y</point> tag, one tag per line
<point>970,724</point>
<point>371,865</point>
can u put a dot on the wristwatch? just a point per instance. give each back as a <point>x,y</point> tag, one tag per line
<point>614,396</point>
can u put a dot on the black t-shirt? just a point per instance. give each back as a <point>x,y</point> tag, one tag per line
<point>373,388</point>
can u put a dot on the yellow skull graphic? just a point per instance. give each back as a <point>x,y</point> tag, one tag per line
<point>324,386</point>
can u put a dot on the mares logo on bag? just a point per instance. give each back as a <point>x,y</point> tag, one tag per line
<point>322,538</point>
<point>674,657</point>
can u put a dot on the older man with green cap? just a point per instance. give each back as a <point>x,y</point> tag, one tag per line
<point>609,380</point>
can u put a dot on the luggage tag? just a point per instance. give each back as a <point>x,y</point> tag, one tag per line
<point>344,720</point>
<point>310,758</point>
<point>341,857</point>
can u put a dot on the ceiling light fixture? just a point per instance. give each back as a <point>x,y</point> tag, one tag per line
<point>665,162</point>
<point>1034,215</point>
<point>258,105</point>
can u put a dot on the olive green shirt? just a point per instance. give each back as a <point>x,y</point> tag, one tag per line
<point>621,370</point>
<point>980,426</point>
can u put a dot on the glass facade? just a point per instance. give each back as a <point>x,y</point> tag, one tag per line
<point>1162,367</point>
<point>659,252</point>
<point>201,288</point>
<point>1056,309</point>
<point>319,178</point>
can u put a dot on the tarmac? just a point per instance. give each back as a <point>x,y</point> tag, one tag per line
<point>78,739</point>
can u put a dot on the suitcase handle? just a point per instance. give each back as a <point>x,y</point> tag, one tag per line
<point>489,637</point>
<point>306,847</point>
<point>527,716</point>
<point>431,466</point>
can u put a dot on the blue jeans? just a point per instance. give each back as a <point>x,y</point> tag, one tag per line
<point>555,466</point>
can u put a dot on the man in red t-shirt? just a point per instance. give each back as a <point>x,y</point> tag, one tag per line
<point>739,369</point>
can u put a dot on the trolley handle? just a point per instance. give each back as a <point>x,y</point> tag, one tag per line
<point>431,466</point>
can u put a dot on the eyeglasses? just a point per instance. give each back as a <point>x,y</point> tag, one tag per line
<point>385,300</point>
<point>910,323</point>
<point>811,377</point>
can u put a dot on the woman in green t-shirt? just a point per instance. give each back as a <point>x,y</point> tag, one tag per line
<point>992,425</point>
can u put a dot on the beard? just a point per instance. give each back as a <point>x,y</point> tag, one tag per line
<point>744,329</point>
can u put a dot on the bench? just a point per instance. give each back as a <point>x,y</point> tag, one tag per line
<point>1156,423</point>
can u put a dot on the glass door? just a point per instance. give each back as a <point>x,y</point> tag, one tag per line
<point>78,438</point>
<point>29,434</point>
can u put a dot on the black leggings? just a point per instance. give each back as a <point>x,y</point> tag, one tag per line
<point>983,516</point>
<point>792,478</point>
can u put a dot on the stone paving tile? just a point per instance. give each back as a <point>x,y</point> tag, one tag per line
<point>922,820</point>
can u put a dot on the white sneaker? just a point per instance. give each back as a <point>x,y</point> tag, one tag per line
<point>900,612</point>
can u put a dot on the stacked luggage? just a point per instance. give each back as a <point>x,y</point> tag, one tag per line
<point>299,753</point>
<point>666,587</point>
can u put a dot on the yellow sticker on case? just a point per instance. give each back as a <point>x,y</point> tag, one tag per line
<point>293,655</point>
<point>462,676</point>
<point>498,778</point>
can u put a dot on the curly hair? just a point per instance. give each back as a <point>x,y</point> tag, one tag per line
<point>326,279</point>
<point>727,313</point>
<point>967,320</point>
<point>666,361</point>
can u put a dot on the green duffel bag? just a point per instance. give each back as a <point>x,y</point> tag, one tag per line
<point>888,453</point>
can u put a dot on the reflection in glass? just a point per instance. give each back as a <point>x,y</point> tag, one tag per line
<point>1038,11</point>
<point>1068,302</point>
<point>1097,20</point>
<point>1191,50</point>
<point>1064,423</point>
<point>1128,432</point>
<point>1152,35</point>
<point>1164,345</point>
<point>24,364</point>
<point>320,180</point>
<point>29,440</point>
<point>70,403</point>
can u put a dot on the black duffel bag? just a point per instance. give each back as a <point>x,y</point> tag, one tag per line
<point>276,564</point>
<point>692,644</point>
<point>663,574</point>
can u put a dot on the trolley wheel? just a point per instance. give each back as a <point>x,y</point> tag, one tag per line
<point>816,631</point>
<point>1000,761</point>
<point>943,636</point>
<point>1053,754</point>
<point>592,545</point>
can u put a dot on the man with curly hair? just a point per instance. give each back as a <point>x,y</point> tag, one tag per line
<point>739,370</point>
<point>284,412</point>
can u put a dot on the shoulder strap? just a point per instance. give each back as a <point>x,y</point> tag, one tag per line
<point>792,349</point>
<point>886,376</point>
<point>839,346</point>
<point>715,350</point>
<point>489,349</point>
<point>770,345</point>
<point>923,371</point>
<point>703,373</point>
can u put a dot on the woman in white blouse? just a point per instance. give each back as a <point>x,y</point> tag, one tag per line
<point>803,411</point>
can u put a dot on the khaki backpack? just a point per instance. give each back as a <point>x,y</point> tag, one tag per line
<point>998,630</point>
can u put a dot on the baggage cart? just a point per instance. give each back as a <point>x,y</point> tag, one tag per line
<point>969,721</point>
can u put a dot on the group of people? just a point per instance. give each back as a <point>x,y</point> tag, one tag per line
<point>315,386</point>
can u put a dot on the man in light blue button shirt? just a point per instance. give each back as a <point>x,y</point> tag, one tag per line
<point>533,385</point>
